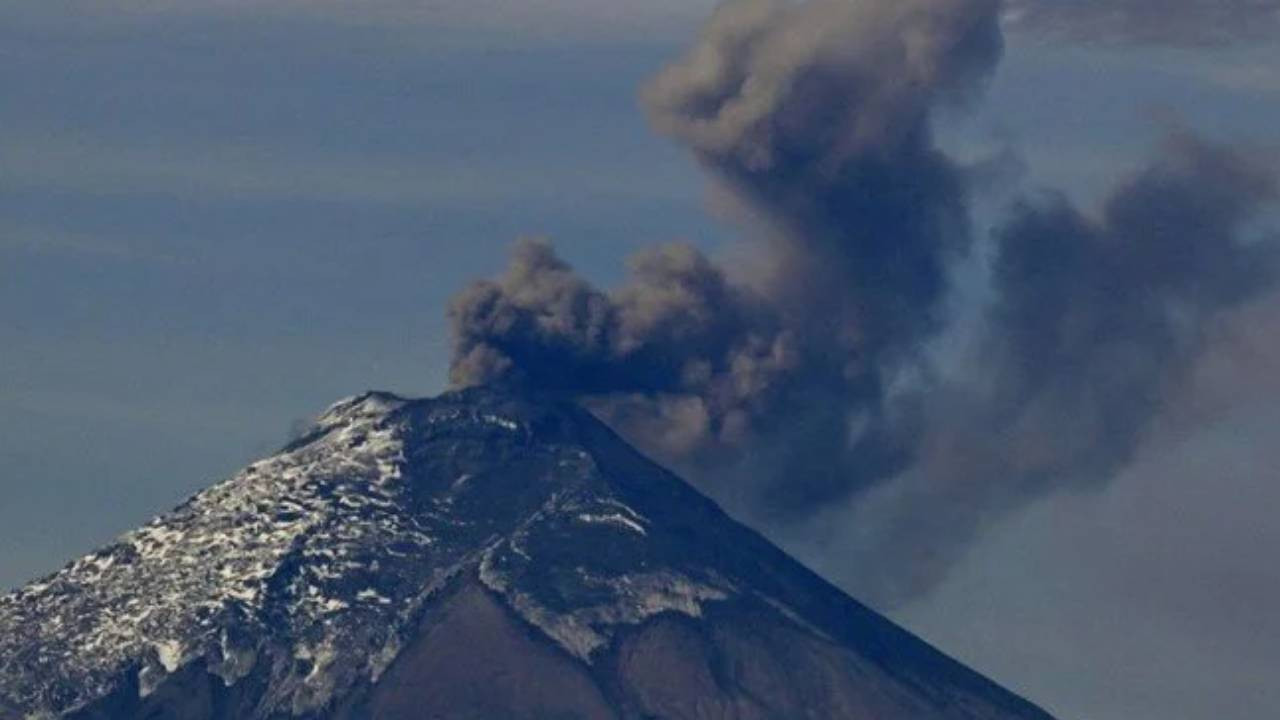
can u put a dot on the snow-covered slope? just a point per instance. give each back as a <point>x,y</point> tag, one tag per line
<point>292,588</point>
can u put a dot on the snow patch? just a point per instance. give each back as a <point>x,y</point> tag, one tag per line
<point>630,599</point>
<point>371,595</point>
<point>170,655</point>
<point>616,519</point>
<point>502,422</point>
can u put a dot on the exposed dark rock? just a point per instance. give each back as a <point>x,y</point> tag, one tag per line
<point>477,555</point>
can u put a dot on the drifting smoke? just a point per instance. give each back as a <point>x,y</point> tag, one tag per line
<point>1097,319</point>
<point>801,385</point>
<point>816,117</point>
<point>1097,328</point>
<point>1155,22</point>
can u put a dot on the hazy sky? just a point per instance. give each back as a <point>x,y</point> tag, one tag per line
<point>215,223</point>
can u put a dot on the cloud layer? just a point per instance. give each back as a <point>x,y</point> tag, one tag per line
<point>1157,22</point>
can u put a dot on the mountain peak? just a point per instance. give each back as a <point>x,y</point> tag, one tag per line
<point>307,583</point>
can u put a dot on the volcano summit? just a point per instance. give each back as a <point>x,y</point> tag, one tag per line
<point>482,554</point>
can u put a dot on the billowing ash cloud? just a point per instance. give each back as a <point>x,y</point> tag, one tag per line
<point>1155,22</point>
<point>1096,329</point>
<point>798,385</point>
<point>815,117</point>
<point>1097,318</point>
<point>679,350</point>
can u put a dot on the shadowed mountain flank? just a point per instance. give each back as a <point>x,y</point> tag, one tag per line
<point>482,554</point>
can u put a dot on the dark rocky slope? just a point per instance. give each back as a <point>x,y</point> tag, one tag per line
<point>477,555</point>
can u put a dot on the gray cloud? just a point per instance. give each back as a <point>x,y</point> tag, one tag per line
<point>1151,599</point>
<point>796,386</point>
<point>815,117</point>
<point>1097,329</point>
<point>1154,22</point>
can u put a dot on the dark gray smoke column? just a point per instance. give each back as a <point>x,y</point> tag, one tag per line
<point>798,389</point>
<point>816,117</point>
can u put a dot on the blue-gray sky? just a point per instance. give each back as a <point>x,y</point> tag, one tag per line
<point>213,223</point>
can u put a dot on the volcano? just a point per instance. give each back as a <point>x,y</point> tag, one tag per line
<point>482,554</point>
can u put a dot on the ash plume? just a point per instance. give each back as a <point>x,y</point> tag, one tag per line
<point>798,389</point>
<point>1096,330</point>
<point>815,117</point>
